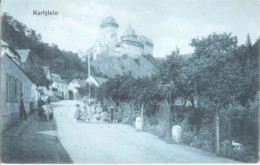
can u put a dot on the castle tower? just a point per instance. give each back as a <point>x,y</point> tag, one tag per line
<point>131,43</point>
<point>108,32</point>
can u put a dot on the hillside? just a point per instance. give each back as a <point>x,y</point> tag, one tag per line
<point>65,63</point>
<point>110,66</point>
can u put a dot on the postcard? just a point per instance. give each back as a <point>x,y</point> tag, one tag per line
<point>129,81</point>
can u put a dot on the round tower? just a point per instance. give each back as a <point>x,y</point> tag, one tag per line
<point>131,43</point>
<point>109,32</point>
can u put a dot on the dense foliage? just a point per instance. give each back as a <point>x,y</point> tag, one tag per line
<point>220,81</point>
<point>65,63</point>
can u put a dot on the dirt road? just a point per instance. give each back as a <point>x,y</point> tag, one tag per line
<point>119,143</point>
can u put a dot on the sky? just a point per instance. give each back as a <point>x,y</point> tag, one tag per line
<point>170,23</point>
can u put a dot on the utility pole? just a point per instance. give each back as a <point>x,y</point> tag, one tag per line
<point>142,116</point>
<point>88,78</point>
<point>168,118</point>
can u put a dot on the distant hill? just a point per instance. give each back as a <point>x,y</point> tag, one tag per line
<point>110,66</point>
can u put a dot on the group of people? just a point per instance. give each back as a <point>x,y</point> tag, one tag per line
<point>45,111</point>
<point>91,113</point>
<point>83,114</point>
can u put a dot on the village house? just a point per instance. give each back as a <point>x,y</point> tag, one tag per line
<point>74,86</point>
<point>14,82</point>
<point>59,87</point>
<point>97,81</point>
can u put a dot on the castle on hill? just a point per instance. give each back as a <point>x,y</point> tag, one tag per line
<point>130,43</point>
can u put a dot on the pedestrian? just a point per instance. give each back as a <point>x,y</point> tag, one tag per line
<point>77,112</point>
<point>31,108</point>
<point>112,114</point>
<point>49,100</point>
<point>115,116</point>
<point>40,109</point>
<point>85,113</point>
<point>89,112</point>
<point>40,103</point>
<point>22,109</point>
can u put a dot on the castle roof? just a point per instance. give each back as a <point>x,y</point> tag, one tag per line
<point>129,32</point>
<point>130,37</point>
<point>109,21</point>
<point>145,40</point>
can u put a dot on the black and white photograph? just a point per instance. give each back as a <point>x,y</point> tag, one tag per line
<point>129,81</point>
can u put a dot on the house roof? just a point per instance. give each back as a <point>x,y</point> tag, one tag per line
<point>80,82</point>
<point>55,76</point>
<point>24,53</point>
<point>100,80</point>
<point>4,43</point>
<point>60,81</point>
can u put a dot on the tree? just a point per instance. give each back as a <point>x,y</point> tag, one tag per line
<point>170,73</point>
<point>219,76</point>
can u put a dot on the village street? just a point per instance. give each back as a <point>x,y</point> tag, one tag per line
<point>119,143</point>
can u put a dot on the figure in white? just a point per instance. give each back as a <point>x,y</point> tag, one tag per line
<point>176,133</point>
<point>138,123</point>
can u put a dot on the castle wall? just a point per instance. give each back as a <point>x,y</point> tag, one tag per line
<point>109,36</point>
<point>148,50</point>
<point>131,50</point>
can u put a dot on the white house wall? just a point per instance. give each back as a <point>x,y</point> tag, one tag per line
<point>10,98</point>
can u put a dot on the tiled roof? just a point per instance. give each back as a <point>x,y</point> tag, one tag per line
<point>55,76</point>
<point>80,82</point>
<point>4,43</point>
<point>24,53</point>
<point>100,80</point>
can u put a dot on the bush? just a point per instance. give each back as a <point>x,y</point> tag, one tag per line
<point>245,153</point>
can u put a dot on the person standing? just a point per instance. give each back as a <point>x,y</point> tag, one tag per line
<point>89,111</point>
<point>85,113</point>
<point>112,114</point>
<point>40,109</point>
<point>77,112</point>
<point>40,103</point>
<point>22,109</point>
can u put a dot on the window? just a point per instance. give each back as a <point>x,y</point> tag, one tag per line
<point>10,89</point>
<point>16,89</point>
<point>27,94</point>
<point>7,88</point>
<point>21,90</point>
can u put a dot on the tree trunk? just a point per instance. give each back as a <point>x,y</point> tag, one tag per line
<point>217,130</point>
